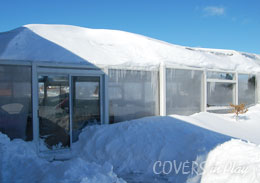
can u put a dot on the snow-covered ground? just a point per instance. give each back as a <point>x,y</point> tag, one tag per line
<point>246,127</point>
<point>152,149</point>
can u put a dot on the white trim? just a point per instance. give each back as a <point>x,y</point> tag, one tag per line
<point>257,88</point>
<point>106,97</point>
<point>69,71</point>
<point>246,73</point>
<point>215,108</point>
<point>221,81</point>
<point>35,118</point>
<point>64,64</point>
<point>184,67</point>
<point>221,71</point>
<point>162,91</point>
<point>204,91</point>
<point>15,62</point>
<point>101,100</point>
<point>129,68</point>
<point>70,108</point>
<point>235,90</point>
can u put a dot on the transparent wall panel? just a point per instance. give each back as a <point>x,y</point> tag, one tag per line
<point>86,103</point>
<point>183,91</point>
<point>220,75</point>
<point>220,94</point>
<point>16,102</point>
<point>132,94</point>
<point>246,89</point>
<point>54,120</point>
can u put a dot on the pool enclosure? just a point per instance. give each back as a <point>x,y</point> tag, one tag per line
<point>52,104</point>
<point>49,101</point>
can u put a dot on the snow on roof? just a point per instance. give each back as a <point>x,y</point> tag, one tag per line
<point>72,44</point>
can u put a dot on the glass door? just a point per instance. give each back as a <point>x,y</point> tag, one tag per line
<point>53,112</point>
<point>86,103</point>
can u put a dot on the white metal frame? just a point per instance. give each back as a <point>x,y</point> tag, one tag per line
<point>162,90</point>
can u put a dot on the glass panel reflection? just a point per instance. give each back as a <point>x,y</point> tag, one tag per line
<point>220,75</point>
<point>54,128</point>
<point>246,89</point>
<point>183,91</point>
<point>86,103</point>
<point>15,102</point>
<point>219,94</point>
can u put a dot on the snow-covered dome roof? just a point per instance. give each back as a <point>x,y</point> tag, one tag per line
<point>72,44</point>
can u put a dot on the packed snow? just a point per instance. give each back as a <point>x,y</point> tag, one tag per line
<point>232,162</point>
<point>151,149</point>
<point>20,163</point>
<point>246,127</point>
<point>100,47</point>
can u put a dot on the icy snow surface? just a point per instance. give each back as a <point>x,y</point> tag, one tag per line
<point>100,47</point>
<point>131,148</point>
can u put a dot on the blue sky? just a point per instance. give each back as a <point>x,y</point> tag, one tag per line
<point>225,24</point>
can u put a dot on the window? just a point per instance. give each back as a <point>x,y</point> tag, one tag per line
<point>15,102</point>
<point>183,91</point>
<point>221,89</point>
<point>132,94</point>
<point>246,89</point>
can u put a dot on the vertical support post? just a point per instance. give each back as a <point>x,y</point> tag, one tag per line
<point>71,94</point>
<point>257,88</point>
<point>204,91</point>
<point>35,109</point>
<point>162,84</point>
<point>105,97</point>
<point>235,91</point>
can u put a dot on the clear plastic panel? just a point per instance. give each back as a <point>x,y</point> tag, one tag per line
<point>246,89</point>
<point>220,75</point>
<point>183,91</point>
<point>15,102</point>
<point>86,103</point>
<point>220,94</point>
<point>132,94</point>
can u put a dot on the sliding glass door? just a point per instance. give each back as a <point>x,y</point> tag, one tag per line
<point>86,103</point>
<point>67,103</point>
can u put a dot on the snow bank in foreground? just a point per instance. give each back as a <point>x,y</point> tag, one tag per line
<point>232,162</point>
<point>133,147</point>
<point>20,163</point>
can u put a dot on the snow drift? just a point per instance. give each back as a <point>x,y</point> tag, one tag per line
<point>100,47</point>
<point>232,162</point>
<point>20,163</point>
<point>131,149</point>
